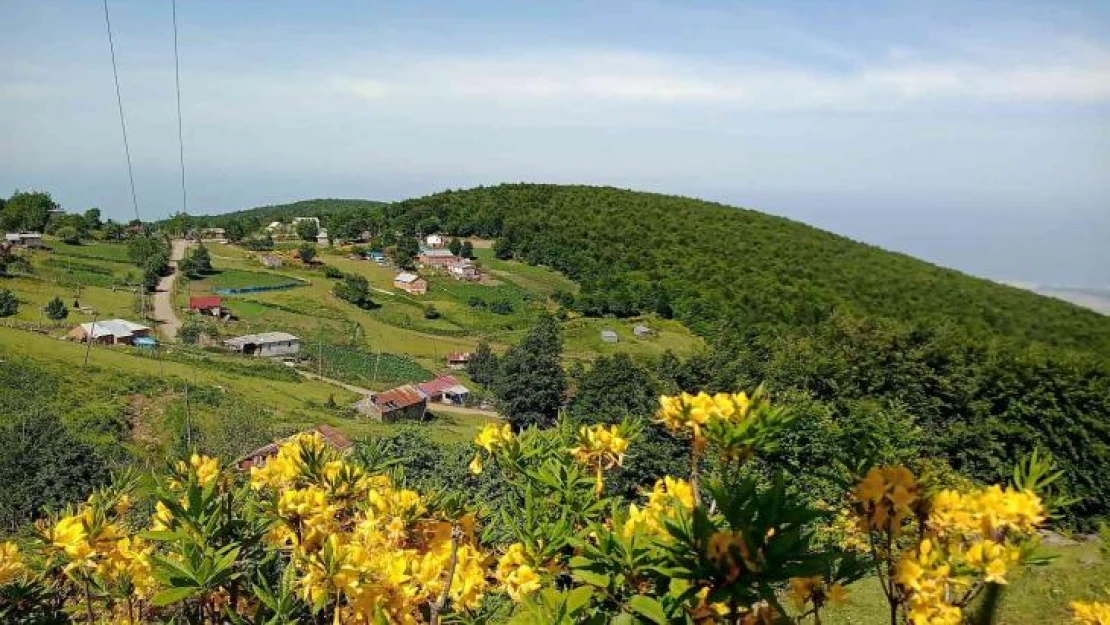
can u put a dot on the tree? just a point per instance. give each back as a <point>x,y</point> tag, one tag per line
<point>56,309</point>
<point>430,312</point>
<point>188,266</point>
<point>455,246</point>
<point>503,248</point>
<point>406,249</point>
<point>307,252</point>
<point>92,219</point>
<point>190,332</point>
<point>68,235</point>
<point>530,381</point>
<point>614,388</point>
<point>354,289</point>
<point>482,366</point>
<point>203,259</point>
<point>112,230</point>
<point>467,249</point>
<point>235,230</point>
<point>27,210</point>
<point>308,229</point>
<point>9,303</point>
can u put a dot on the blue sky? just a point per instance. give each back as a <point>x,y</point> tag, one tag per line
<point>975,135</point>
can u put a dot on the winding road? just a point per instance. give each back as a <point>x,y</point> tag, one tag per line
<point>164,313</point>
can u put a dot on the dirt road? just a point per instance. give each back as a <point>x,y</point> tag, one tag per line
<point>168,323</point>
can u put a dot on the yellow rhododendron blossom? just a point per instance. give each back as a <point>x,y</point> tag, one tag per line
<point>886,497</point>
<point>1090,613</point>
<point>600,448</point>
<point>11,562</point>
<point>668,495</point>
<point>518,578</point>
<point>493,436</point>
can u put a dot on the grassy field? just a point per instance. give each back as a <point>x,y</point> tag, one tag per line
<point>113,252</point>
<point>1040,596</point>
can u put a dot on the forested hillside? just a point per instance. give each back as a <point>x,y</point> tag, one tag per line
<point>907,359</point>
<point>706,263</point>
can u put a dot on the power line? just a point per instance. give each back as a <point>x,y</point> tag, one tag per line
<point>119,102</point>
<point>177,84</point>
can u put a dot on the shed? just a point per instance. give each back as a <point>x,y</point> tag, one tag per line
<point>410,283</point>
<point>322,237</point>
<point>265,344</point>
<point>463,269</point>
<point>642,330</point>
<point>435,240</point>
<point>437,258</point>
<point>609,336</point>
<point>208,304</point>
<point>403,402</point>
<point>109,332</point>
<point>445,389</point>
<point>271,261</point>
<point>26,239</point>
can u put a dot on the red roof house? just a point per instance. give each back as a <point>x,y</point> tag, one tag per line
<point>445,389</point>
<point>204,303</point>
<point>403,402</point>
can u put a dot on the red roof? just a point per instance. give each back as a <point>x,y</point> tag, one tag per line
<point>400,397</point>
<point>458,357</point>
<point>438,385</point>
<point>334,437</point>
<point>201,303</point>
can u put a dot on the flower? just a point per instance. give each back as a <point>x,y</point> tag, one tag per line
<point>600,448</point>
<point>514,572</point>
<point>667,497</point>
<point>886,496</point>
<point>1090,613</point>
<point>11,562</point>
<point>804,590</point>
<point>490,438</point>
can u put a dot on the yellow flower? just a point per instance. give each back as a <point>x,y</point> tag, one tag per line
<point>516,575</point>
<point>476,465</point>
<point>11,562</point>
<point>600,448</point>
<point>1090,613</point>
<point>668,495</point>
<point>492,436</point>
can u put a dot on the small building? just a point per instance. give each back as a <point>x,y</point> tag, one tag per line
<point>402,403</point>
<point>445,389</point>
<point>609,336</point>
<point>458,360</point>
<point>642,331</point>
<point>463,269</point>
<point>207,305</point>
<point>322,237</point>
<point>271,261</point>
<point>109,332</point>
<point>218,234</point>
<point>145,342</point>
<point>410,283</point>
<point>436,258</point>
<point>332,438</point>
<point>435,240</point>
<point>24,239</point>
<point>265,344</point>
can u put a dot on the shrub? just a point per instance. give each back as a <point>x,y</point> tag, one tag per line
<point>430,312</point>
<point>56,309</point>
<point>307,252</point>
<point>502,307</point>
<point>332,273</point>
<point>9,304</point>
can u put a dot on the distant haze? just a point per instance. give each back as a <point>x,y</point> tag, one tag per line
<point>973,136</point>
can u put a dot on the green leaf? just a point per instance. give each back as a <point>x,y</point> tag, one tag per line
<point>173,595</point>
<point>164,535</point>
<point>578,598</point>
<point>648,608</point>
<point>624,618</point>
<point>593,579</point>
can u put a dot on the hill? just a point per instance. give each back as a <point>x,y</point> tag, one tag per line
<point>705,263</point>
<point>262,215</point>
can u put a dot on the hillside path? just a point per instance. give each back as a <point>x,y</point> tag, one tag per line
<point>433,407</point>
<point>164,313</point>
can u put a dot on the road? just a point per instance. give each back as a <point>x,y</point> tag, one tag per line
<point>168,323</point>
<point>433,407</point>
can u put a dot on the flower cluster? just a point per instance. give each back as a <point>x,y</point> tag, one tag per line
<point>987,512</point>
<point>1090,613</point>
<point>11,563</point>
<point>600,448</point>
<point>886,497</point>
<point>815,591</point>
<point>669,495</point>
<point>517,576</point>
<point>490,438</point>
<point>691,413</point>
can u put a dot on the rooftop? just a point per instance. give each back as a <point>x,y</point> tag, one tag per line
<point>437,253</point>
<point>442,384</point>
<point>120,328</point>
<point>261,339</point>
<point>400,397</point>
<point>406,277</point>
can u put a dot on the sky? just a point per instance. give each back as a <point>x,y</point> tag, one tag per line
<point>975,135</point>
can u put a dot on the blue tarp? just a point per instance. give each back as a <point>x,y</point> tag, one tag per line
<point>145,342</point>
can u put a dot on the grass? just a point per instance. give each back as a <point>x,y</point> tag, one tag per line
<point>377,371</point>
<point>582,338</point>
<point>100,250</point>
<point>533,278</point>
<point>239,279</point>
<point>35,291</point>
<point>1034,597</point>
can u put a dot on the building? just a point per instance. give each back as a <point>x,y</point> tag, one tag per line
<point>642,331</point>
<point>609,336</point>
<point>458,360</point>
<point>463,269</point>
<point>402,403</point>
<point>109,332</point>
<point>436,258</point>
<point>207,305</point>
<point>265,344</point>
<point>322,237</point>
<point>331,436</point>
<point>271,261</point>
<point>435,240</point>
<point>410,283</point>
<point>275,226</point>
<point>213,233</point>
<point>445,389</point>
<point>24,239</point>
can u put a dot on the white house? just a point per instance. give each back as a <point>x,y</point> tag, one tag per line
<point>26,239</point>
<point>322,237</point>
<point>265,344</point>
<point>463,269</point>
<point>109,331</point>
<point>435,240</point>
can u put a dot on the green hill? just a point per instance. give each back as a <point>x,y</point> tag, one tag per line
<point>705,262</point>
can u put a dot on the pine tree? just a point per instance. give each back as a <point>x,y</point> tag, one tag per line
<point>56,309</point>
<point>455,246</point>
<point>482,365</point>
<point>9,304</point>
<point>531,382</point>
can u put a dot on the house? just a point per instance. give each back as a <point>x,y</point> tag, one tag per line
<point>445,389</point>
<point>25,239</point>
<point>410,283</point>
<point>435,240</point>
<point>458,360</point>
<point>642,331</point>
<point>609,336</point>
<point>275,226</point>
<point>322,237</point>
<point>332,438</point>
<point>109,332</point>
<point>265,344</point>
<point>271,261</point>
<point>403,402</point>
<point>463,269</point>
<point>213,233</point>
<point>207,305</point>
<point>436,258</point>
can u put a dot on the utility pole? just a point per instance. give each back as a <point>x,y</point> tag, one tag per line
<point>89,340</point>
<point>188,431</point>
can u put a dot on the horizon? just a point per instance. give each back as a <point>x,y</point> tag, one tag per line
<point>970,137</point>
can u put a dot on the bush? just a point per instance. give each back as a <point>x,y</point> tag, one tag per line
<point>502,307</point>
<point>307,252</point>
<point>56,309</point>
<point>430,312</point>
<point>9,304</point>
<point>68,235</point>
<point>332,273</point>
